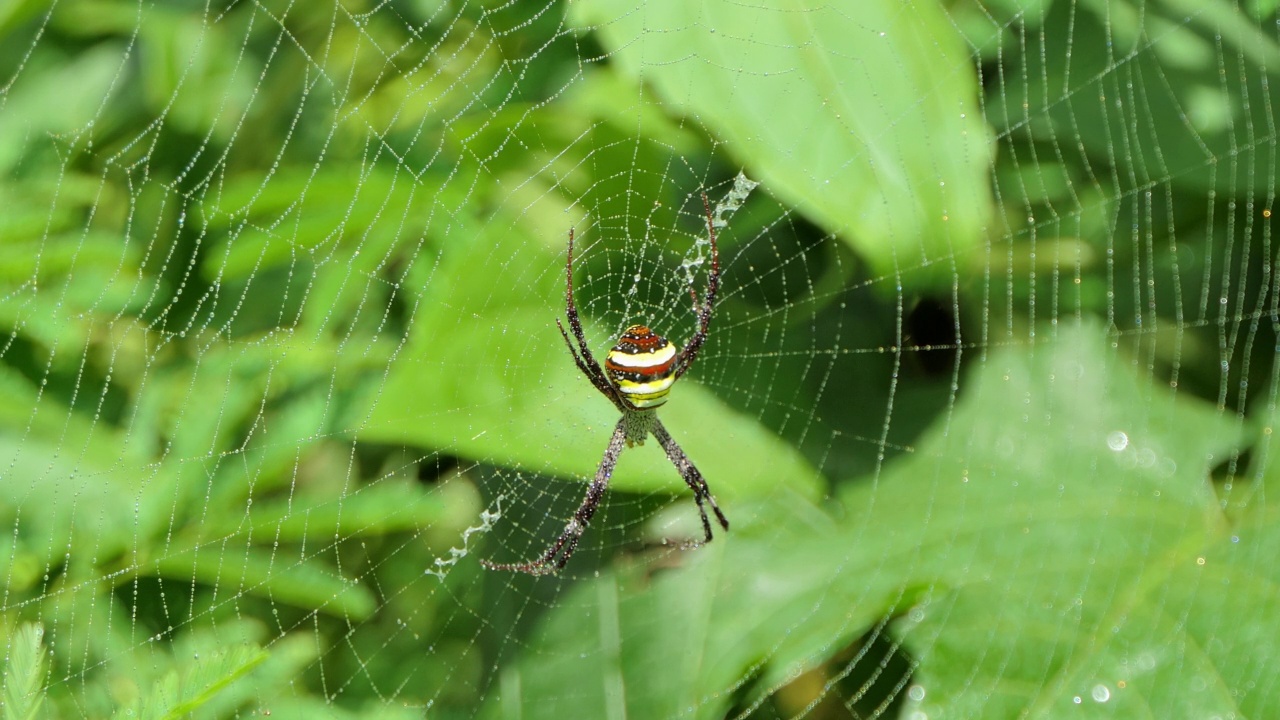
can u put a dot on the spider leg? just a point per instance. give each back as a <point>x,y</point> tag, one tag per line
<point>599,381</point>
<point>585,361</point>
<point>548,563</point>
<point>703,309</point>
<point>574,352</point>
<point>692,478</point>
<point>571,310</point>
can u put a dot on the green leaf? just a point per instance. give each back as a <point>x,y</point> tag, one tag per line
<point>275,678</point>
<point>882,142</point>
<point>298,215</point>
<point>389,506</point>
<point>1055,546</point>
<point>60,100</point>
<point>56,497</point>
<point>1091,487</point>
<point>274,574</point>
<point>13,14</point>
<point>24,672</point>
<point>183,691</point>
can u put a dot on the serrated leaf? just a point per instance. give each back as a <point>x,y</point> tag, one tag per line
<point>276,677</point>
<point>24,672</point>
<point>182,691</point>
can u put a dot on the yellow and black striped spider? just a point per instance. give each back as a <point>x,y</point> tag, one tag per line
<point>637,376</point>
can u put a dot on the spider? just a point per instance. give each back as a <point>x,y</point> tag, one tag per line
<point>637,376</point>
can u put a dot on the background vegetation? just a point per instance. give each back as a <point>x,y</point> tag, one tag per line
<point>989,397</point>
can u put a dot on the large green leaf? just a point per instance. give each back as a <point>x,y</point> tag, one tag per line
<point>1055,546</point>
<point>863,116</point>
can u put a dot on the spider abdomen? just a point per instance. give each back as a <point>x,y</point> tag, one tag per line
<point>642,366</point>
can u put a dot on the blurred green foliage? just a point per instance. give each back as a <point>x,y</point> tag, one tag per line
<point>989,396</point>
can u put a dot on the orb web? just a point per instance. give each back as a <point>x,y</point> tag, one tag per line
<point>988,393</point>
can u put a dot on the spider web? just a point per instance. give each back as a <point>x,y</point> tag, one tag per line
<point>988,396</point>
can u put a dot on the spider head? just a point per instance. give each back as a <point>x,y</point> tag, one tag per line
<point>642,366</point>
